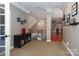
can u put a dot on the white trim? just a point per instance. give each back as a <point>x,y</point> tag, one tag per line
<point>2,1</point>
<point>2,7</point>
<point>2,35</point>
<point>2,53</point>
<point>68,49</point>
<point>2,46</point>
<point>7,28</point>
<point>16,5</point>
<point>2,24</point>
<point>48,40</point>
<point>2,14</point>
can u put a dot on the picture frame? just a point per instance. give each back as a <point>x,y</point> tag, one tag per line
<point>22,22</point>
<point>18,19</point>
<point>68,19</point>
<point>74,9</point>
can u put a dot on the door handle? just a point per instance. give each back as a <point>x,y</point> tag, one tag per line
<point>4,36</point>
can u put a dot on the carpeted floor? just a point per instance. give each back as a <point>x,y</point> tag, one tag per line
<point>41,48</point>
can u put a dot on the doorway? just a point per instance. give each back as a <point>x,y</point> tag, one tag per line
<point>56,31</point>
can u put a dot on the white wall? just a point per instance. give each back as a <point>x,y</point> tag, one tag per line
<point>16,26</point>
<point>71,33</point>
<point>56,12</point>
<point>31,21</point>
<point>41,25</point>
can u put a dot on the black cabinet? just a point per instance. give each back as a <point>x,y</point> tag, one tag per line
<point>19,40</point>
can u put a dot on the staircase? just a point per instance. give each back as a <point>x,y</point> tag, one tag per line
<point>33,28</point>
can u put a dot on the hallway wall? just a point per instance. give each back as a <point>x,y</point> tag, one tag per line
<point>16,26</point>
<point>71,33</point>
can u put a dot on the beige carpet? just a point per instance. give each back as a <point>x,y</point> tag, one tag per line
<point>41,48</point>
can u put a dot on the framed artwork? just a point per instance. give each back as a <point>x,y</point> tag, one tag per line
<point>18,19</point>
<point>74,9</point>
<point>22,22</point>
<point>68,19</point>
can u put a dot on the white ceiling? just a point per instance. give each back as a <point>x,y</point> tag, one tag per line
<point>38,9</point>
<point>43,5</point>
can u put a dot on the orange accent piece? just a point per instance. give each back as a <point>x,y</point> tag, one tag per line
<point>56,37</point>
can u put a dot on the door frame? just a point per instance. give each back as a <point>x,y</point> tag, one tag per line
<point>7,29</point>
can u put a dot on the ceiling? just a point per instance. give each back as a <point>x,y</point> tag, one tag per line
<point>43,5</point>
<point>38,9</point>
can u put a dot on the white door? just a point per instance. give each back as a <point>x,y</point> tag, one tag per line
<point>4,34</point>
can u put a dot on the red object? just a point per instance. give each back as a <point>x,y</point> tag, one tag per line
<point>23,31</point>
<point>56,37</point>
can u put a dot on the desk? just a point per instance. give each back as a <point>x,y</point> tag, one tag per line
<point>19,42</point>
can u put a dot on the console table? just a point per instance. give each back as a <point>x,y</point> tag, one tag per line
<point>18,42</point>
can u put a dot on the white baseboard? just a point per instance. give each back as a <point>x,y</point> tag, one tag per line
<point>48,40</point>
<point>11,47</point>
<point>68,49</point>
